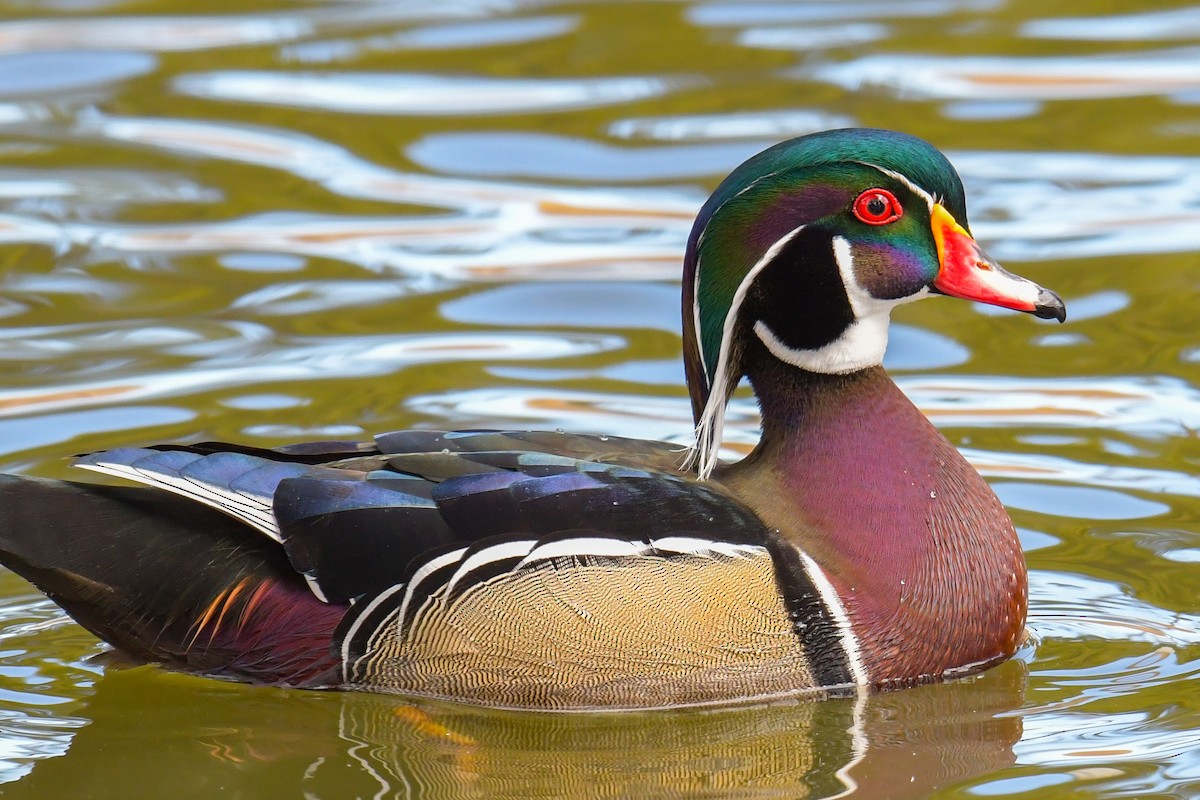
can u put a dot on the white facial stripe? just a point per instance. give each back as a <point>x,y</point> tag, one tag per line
<point>861,345</point>
<point>696,311</point>
<point>917,190</point>
<point>740,295</point>
<point>864,341</point>
<point>696,279</point>
<point>751,185</point>
<point>703,454</point>
<point>862,302</point>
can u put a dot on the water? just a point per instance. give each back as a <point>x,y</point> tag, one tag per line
<point>267,222</point>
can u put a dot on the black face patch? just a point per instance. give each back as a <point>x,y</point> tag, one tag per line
<point>800,295</point>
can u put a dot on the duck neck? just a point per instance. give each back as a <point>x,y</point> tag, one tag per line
<point>919,550</point>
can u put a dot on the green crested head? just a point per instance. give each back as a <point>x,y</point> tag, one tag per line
<point>902,153</point>
<point>806,247</point>
<point>802,181</point>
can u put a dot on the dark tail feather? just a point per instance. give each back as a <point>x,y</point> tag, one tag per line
<point>165,579</point>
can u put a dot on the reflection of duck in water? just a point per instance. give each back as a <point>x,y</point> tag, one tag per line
<point>247,742</point>
<point>854,545</point>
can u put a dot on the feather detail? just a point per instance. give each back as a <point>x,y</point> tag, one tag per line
<point>726,373</point>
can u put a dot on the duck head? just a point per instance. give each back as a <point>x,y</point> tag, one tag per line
<point>809,245</point>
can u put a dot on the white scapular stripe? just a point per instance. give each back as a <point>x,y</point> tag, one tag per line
<point>362,614</point>
<point>424,571</point>
<point>846,637</point>
<point>583,546</point>
<point>428,568</point>
<point>696,546</point>
<point>489,555</point>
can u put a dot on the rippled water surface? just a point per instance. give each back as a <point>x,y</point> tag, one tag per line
<point>327,219</point>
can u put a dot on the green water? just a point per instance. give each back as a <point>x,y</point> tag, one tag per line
<point>336,218</point>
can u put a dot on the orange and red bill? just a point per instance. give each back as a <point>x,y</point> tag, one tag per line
<point>968,272</point>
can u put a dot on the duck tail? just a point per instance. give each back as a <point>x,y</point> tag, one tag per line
<point>165,580</point>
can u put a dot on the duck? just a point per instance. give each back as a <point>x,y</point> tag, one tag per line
<point>853,549</point>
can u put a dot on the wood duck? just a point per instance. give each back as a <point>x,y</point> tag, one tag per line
<point>854,547</point>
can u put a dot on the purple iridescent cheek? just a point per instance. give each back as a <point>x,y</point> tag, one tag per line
<point>891,272</point>
<point>782,213</point>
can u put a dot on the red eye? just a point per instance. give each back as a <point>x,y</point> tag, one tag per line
<point>877,207</point>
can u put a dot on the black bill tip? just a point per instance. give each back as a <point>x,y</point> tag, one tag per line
<point>1050,306</point>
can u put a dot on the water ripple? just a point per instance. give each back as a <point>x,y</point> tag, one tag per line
<point>1144,406</point>
<point>1078,205</point>
<point>1042,205</point>
<point>1148,406</point>
<point>51,72</point>
<point>465,247</point>
<point>35,718</point>
<point>420,94</point>
<point>757,13</point>
<point>181,33</point>
<point>777,124</point>
<point>811,37</point>
<point>182,258</point>
<point>605,305</point>
<point>1009,78</point>
<point>485,33</point>
<point>1067,605</point>
<point>343,173</point>
<point>222,365</point>
<point>1137,737</point>
<point>1178,23</point>
<point>26,190</point>
<point>295,298</point>
<point>168,33</point>
<point>540,155</point>
<point>502,231</point>
<point>635,415</point>
<point>1056,469</point>
<point>1084,730</point>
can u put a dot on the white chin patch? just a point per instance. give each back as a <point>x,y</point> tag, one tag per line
<point>860,346</point>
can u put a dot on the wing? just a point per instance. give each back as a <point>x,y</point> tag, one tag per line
<point>522,569</point>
